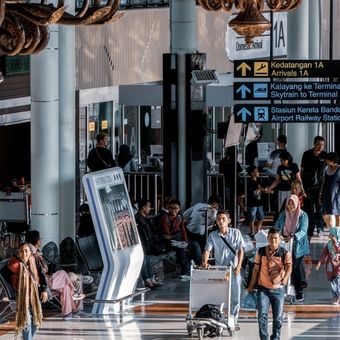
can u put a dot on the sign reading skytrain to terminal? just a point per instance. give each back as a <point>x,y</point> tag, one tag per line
<point>285,113</point>
<point>286,90</point>
<point>287,68</point>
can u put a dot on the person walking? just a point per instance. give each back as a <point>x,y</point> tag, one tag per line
<point>330,191</point>
<point>330,256</point>
<point>293,224</point>
<point>272,268</point>
<point>27,278</point>
<point>312,170</point>
<point>227,244</point>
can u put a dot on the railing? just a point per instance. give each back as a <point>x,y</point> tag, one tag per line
<point>146,185</point>
<point>216,186</point>
<point>149,185</point>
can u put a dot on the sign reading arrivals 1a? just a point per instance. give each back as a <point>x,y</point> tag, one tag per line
<point>286,91</point>
<point>287,69</point>
<point>287,113</point>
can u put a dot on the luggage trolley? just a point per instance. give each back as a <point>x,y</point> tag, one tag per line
<point>210,286</point>
<point>290,290</point>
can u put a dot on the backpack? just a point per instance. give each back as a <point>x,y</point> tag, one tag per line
<point>210,311</point>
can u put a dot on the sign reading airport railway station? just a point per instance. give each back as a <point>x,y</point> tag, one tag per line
<point>287,113</point>
<point>287,68</point>
<point>286,90</point>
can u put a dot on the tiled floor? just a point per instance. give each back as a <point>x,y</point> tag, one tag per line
<point>163,315</point>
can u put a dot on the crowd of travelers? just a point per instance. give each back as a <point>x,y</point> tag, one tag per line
<point>308,198</point>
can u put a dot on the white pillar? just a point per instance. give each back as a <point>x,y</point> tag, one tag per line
<point>182,41</point>
<point>297,48</point>
<point>44,140</point>
<point>67,128</point>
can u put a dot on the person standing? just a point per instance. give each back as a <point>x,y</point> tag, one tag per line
<point>287,173</point>
<point>199,218</point>
<point>227,167</point>
<point>125,159</point>
<point>100,157</point>
<point>330,256</point>
<point>312,169</point>
<point>293,224</point>
<point>227,244</point>
<point>27,278</point>
<point>254,201</point>
<point>274,160</point>
<point>330,191</point>
<point>272,268</point>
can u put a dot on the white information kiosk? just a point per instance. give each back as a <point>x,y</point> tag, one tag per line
<point>117,236</point>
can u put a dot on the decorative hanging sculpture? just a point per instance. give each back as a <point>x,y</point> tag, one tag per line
<point>24,26</point>
<point>249,22</point>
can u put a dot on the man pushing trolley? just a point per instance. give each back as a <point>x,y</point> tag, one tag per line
<point>227,244</point>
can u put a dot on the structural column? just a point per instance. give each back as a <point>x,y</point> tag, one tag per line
<point>297,48</point>
<point>67,129</point>
<point>182,42</point>
<point>44,140</point>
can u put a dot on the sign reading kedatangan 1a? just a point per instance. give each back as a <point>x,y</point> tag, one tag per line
<point>287,69</point>
<point>287,113</point>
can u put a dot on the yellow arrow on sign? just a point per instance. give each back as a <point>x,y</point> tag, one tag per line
<point>243,67</point>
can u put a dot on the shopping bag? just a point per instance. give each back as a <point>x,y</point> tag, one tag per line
<point>250,301</point>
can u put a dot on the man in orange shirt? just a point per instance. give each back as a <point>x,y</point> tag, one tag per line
<point>273,266</point>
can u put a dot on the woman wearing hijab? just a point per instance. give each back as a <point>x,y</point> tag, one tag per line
<point>125,159</point>
<point>293,223</point>
<point>330,256</point>
<point>28,279</point>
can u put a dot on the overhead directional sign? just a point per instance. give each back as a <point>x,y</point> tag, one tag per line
<point>286,90</point>
<point>285,113</point>
<point>287,68</point>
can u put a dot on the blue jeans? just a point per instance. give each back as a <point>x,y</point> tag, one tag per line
<point>235,299</point>
<point>31,329</point>
<point>274,297</point>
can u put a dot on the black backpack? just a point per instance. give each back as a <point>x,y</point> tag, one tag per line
<point>210,311</point>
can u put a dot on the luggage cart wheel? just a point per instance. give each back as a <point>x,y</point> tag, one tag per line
<point>200,333</point>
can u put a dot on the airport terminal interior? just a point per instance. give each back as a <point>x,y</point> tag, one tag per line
<point>184,85</point>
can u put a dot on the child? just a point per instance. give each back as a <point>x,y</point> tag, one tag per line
<point>254,201</point>
<point>331,257</point>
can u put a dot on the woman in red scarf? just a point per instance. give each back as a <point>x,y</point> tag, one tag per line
<point>293,223</point>
<point>27,279</point>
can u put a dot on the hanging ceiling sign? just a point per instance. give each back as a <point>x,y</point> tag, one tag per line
<point>238,49</point>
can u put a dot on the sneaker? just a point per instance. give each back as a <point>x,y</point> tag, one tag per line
<point>320,234</point>
<point>335,302</point>
<point>87,279</point>
<point>68,317</point>
<point>185,277</point>
<point>77,296</point>
<point>299,297</point>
